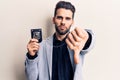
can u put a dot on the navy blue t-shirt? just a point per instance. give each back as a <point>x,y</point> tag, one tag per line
<point>61,64</point>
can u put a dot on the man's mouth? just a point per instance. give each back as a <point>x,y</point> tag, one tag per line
<point>62,27</point>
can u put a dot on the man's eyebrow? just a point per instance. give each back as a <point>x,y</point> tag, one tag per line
<point>59,17</point>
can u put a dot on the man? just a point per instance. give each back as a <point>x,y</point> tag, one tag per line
<point>60,56</point>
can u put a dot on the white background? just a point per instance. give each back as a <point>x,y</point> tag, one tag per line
<point>17,17</point>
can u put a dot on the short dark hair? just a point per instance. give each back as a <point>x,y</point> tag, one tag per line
<point>65,5</point>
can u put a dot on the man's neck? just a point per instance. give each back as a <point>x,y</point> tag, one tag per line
<point>60,37</point>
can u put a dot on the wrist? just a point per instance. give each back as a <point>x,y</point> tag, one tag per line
<point>31,56</point>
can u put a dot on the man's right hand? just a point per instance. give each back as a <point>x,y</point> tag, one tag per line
<point>33,47</point>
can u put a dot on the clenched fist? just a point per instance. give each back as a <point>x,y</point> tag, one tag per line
<point>33,46</point>
<point>76,41</point>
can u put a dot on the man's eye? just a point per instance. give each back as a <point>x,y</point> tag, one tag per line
<point>68,18</point>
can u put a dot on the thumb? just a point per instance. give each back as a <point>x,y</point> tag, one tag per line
<point>76,57</point>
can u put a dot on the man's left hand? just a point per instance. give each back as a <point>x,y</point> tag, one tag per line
<point>76,40</point>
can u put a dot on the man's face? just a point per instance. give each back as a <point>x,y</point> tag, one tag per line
<point>63,21</point>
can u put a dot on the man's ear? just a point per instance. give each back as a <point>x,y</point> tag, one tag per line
<point>53,20</point>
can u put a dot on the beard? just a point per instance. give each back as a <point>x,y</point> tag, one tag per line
<point>61,32</point>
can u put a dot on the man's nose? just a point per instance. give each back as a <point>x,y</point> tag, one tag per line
<point>63,22</point>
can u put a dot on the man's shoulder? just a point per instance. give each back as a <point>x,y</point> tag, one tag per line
<point>90,31</point>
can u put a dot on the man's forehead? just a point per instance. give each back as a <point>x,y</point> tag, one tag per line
<point>64,12</point>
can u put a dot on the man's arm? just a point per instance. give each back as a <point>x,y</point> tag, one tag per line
<point>31,63</point>
<point>89,43</point>
<point>31,68</point>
